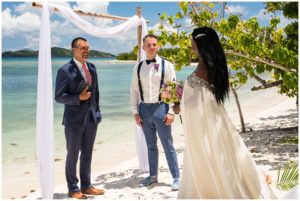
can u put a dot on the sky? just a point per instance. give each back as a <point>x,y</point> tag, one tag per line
<point>21,22</point>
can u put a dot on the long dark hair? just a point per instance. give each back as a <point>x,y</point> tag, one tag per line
<point>213,56</point>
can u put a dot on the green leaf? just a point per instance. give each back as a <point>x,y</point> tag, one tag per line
<point>179,15</point>
<point>233,21</point>
<point>171,20</point>
<point>274,21</point>
<point>163,16</point>
<point>288,178</point>
<point>184,7</point>
<point>247,37</point>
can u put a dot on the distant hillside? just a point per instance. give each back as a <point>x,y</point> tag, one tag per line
<point>20,53</point>
<point>55,52</point>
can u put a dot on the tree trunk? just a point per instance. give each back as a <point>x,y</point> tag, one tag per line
<point>239,108</point>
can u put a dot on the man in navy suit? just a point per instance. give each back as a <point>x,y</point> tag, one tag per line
<point>77,88</point>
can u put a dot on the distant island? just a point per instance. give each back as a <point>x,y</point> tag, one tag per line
<point>55,52</point>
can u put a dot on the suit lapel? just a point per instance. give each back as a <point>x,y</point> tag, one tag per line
<point>76,70</point>
<point>92,72</point>
<point>78,74</point>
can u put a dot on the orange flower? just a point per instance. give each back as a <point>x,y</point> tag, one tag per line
<point>268,178</point>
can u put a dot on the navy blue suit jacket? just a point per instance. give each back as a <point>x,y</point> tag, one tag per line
<point>66,91</point>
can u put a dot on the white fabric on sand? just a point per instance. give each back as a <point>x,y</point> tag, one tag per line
<point>44,114</point>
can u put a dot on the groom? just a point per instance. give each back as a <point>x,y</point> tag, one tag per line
<point>77,88</point>
<point>152,114</point>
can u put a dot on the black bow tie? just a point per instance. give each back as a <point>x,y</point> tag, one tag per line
<point>149,61</point>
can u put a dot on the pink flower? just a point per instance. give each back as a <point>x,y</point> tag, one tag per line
<point>156,66</point>
<point>179,92</point>
<point>171,91</point>
<point>164,94</point>
<point>169,96</point>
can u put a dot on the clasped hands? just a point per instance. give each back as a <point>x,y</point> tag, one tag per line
<point>85,95</point>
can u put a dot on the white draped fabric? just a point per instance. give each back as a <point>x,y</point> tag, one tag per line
<point>87,27</point>
<point>84,25</point>
<point>141,147</point>
<point>44,118</point>
<point>44,114</point>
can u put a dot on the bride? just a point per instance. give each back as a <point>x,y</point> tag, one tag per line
<point>217,164</point>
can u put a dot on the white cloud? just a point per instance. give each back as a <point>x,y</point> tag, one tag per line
<point>21,8</point>
<point>93,7</point>
<point>167,27</point>
<point>64,28</point>
<point>236,10</point>
<point>56,41</point>
<point>187,22</point>
<point>32,41</point>
<point>283,22</point>
<point>265,18</point>
<point>62,3</point>
<point>116,47</point>
<point>25,23</point>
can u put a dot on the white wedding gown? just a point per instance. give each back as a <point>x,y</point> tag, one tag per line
<point>217,164</point>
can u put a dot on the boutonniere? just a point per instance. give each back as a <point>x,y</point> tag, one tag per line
<point>156,66</point>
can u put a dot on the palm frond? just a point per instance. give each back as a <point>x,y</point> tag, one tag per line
<point>288,177</point>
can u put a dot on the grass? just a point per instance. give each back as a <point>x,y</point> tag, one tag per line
<point>289,140</point>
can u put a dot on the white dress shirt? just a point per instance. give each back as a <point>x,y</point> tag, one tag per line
<point>150,81</point>
<point>79,64</point>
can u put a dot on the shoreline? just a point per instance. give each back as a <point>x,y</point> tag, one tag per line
<point>121,179</point>
<point>115,141</point>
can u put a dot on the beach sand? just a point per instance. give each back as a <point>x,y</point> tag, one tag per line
<point>116,168</point>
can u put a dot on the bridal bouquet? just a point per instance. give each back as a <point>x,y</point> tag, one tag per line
<point>171,92</point>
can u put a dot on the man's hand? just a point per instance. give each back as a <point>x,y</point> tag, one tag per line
<point>84,94</point>
<point>169,118</point>
<point>138,120</point>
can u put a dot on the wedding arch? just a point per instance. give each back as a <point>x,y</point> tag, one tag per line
<point>44,114</point>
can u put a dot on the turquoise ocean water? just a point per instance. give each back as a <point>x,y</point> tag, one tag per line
<point>19,82</point>
<point>115,141</point>
<point>19,86</point>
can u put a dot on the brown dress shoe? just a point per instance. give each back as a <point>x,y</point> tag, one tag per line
<point>93,191</point>
<point>77,195</point>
